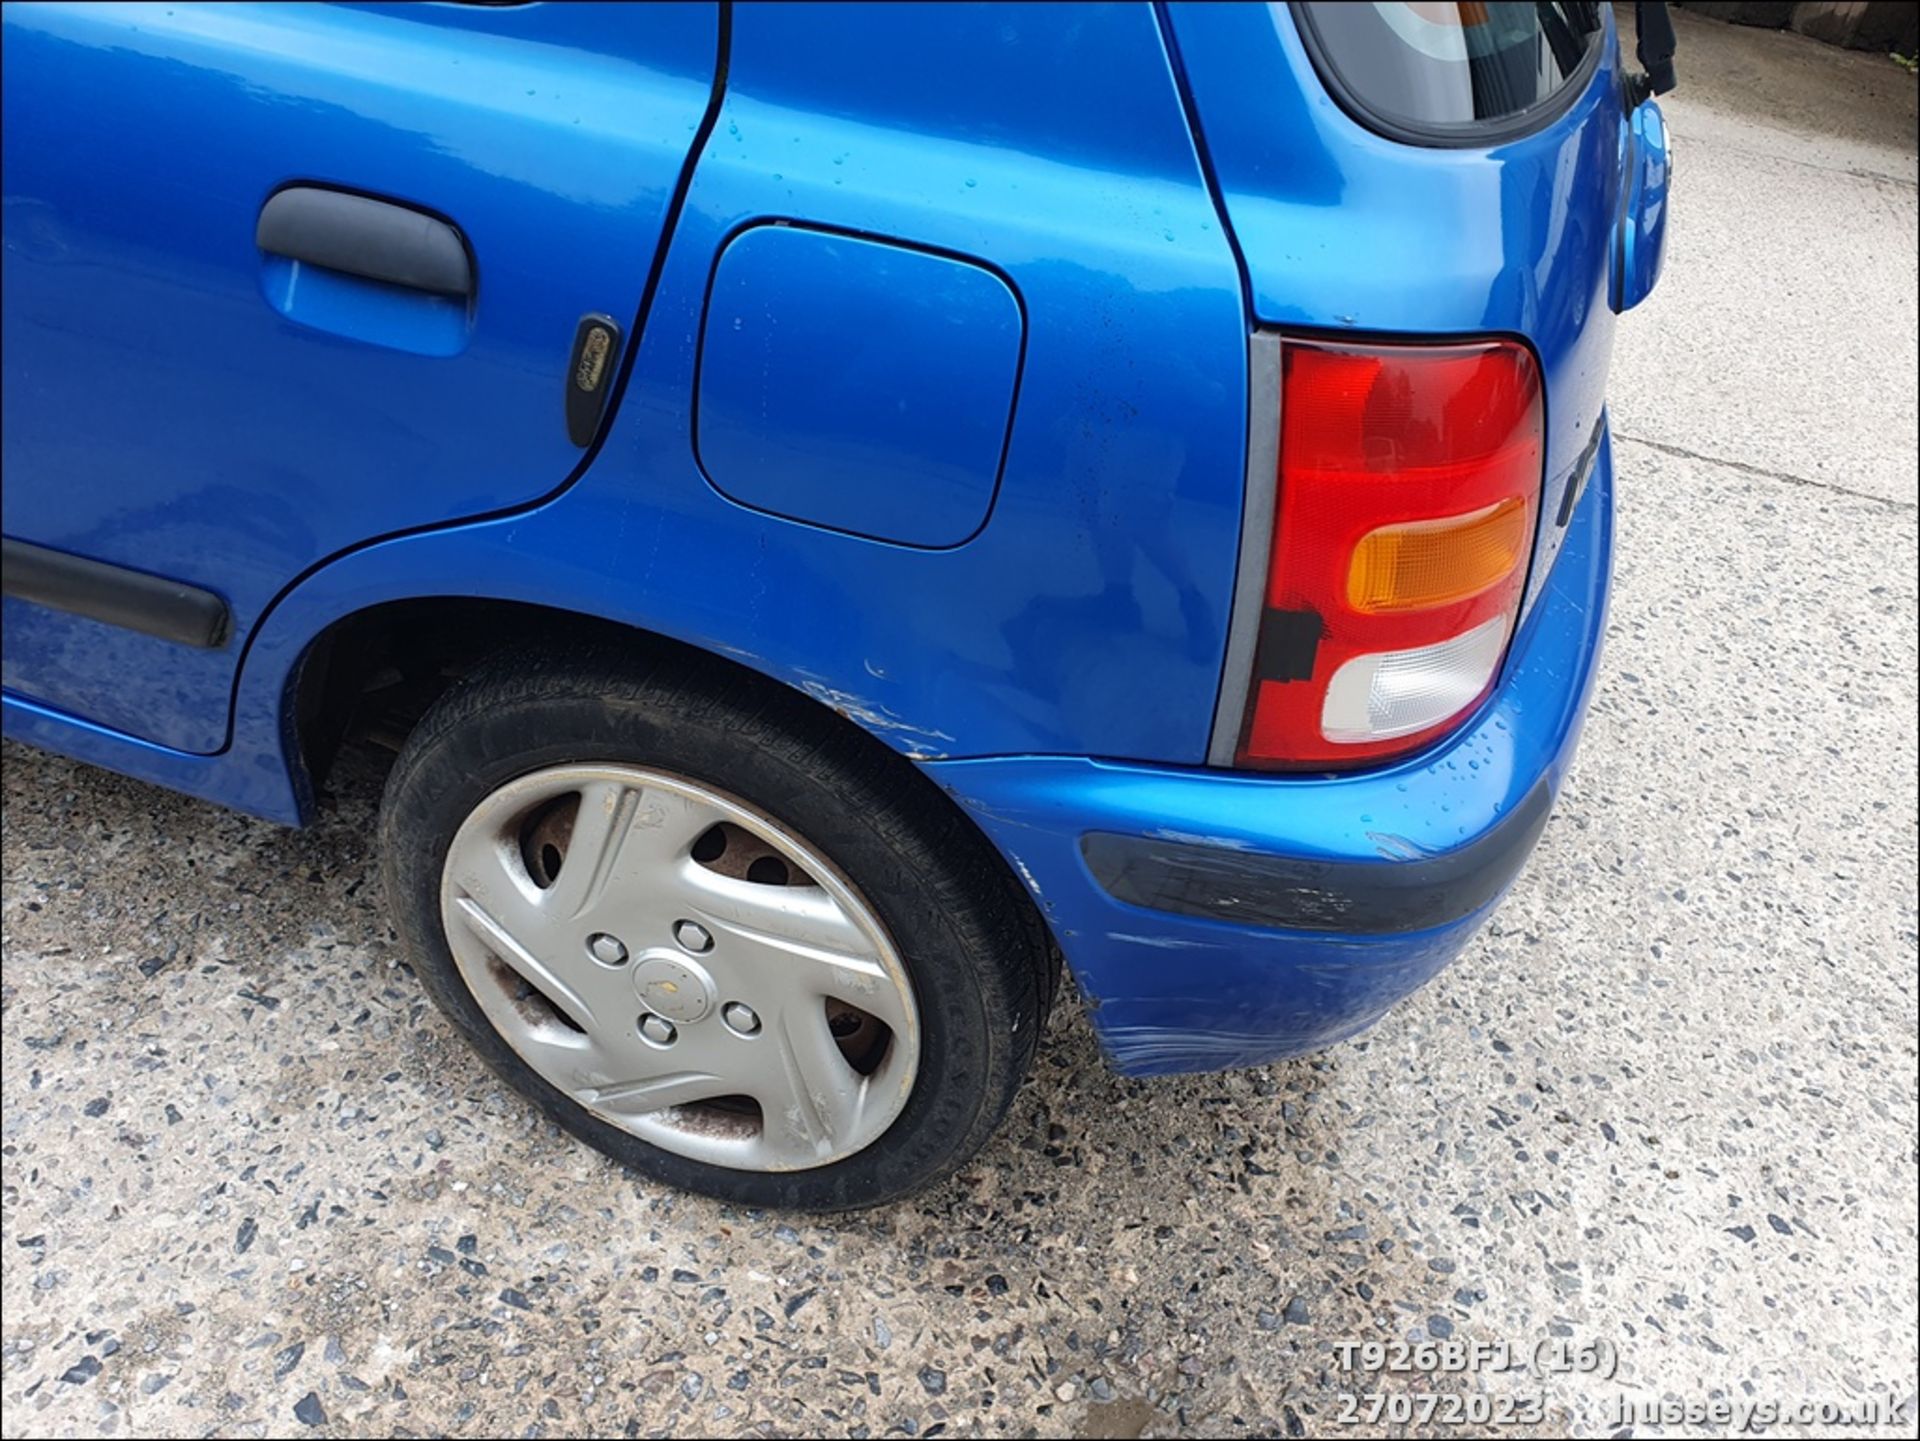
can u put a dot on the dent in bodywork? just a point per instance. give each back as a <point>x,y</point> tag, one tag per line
<point>1164,1050</point>
<point>1311,993</point>
<point>1171,992</point>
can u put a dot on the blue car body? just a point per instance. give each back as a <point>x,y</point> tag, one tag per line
<point>933,338</point>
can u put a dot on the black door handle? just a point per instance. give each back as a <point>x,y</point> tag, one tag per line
<point>362,236</point>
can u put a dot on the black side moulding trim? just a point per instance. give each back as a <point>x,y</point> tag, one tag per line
<point>1582,468</point>
<point>113,595</point>
<point>1355,897</point>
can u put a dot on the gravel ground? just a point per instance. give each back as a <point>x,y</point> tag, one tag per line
<point>1667,1103</point>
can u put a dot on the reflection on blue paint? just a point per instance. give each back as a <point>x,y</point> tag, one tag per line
<point>366,310</point>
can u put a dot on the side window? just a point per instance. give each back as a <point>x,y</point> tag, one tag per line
<point>1447,73</point>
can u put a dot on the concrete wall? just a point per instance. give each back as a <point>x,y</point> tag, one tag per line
<point>1857,24</point>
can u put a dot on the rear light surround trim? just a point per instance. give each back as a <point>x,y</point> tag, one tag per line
<point>1258,501</point>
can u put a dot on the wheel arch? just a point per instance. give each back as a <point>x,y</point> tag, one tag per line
<point>375,671</point>
<point>406,651</point>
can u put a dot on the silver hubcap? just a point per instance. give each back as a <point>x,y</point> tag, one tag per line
<point>681,966</point>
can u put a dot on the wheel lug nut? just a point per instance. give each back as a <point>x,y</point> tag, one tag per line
<point>692,936</point>
<point>740,1018</point>
<point>606,949</point>
<point>658,1029</point>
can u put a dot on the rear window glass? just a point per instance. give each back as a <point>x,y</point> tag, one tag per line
<point>1463,73</point>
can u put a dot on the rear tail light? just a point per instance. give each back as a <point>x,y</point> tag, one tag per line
<point>1425,563</point>
<point>1407,496</point>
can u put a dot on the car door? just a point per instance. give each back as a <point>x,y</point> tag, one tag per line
<point>282,279</point>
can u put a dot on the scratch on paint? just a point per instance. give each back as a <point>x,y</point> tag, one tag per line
<point>1027,876</point>
<point>1164,1049</point>
<point>1396,848</point>
<point>876,717</point>
<point>1165,943</point>
<point>1223,843</point>
<point>992,813</point>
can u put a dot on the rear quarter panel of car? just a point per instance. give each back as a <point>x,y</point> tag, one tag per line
<point>1088,613</point>
<point>1347,231</point>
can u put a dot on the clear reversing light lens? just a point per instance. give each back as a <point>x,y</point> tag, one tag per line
<point>1397,692</point>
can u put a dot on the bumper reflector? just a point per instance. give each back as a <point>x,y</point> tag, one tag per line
<point>1393,693</point>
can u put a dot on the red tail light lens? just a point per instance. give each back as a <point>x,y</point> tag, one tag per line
<point>1408,495</point>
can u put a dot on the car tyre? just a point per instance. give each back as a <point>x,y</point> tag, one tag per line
<point>972,967</point>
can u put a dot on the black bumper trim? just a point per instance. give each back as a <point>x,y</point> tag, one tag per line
<point>153,605</point>
<point>1357,897</point>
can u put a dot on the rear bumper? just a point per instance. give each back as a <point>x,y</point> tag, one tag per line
<point>1216,920</point>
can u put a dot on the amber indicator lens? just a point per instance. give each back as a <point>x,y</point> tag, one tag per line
<point>1424,563</point>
